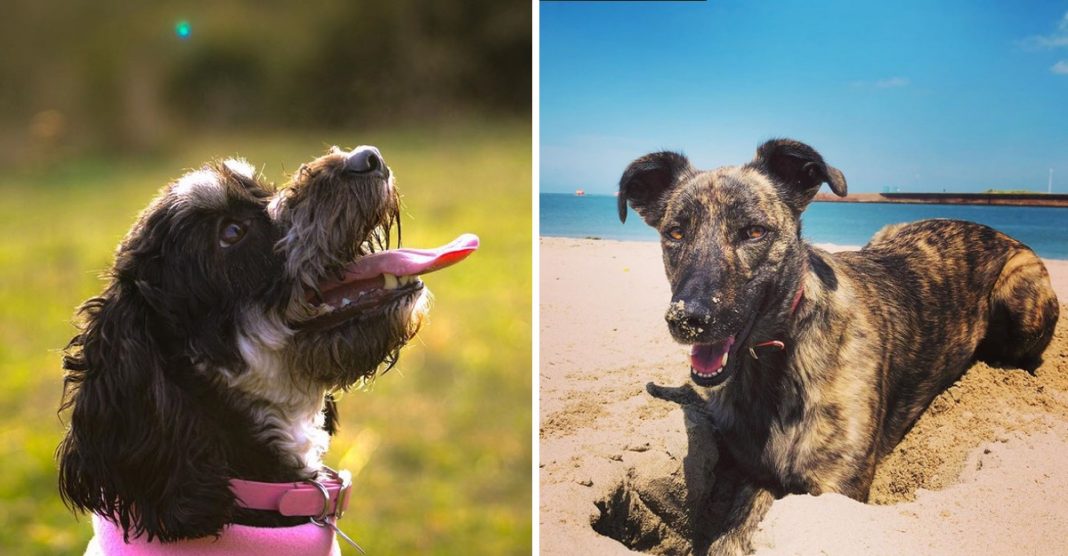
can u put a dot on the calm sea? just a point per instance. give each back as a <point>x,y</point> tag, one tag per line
<point>1044,229</point>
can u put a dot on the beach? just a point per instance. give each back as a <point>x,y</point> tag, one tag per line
<point>982,471</point>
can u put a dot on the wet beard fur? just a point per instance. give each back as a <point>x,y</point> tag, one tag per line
<point>355,351</point>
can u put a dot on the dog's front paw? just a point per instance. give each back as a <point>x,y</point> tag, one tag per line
<point>683,395</point>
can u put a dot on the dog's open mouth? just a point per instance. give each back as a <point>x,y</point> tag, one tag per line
<point>708,362</point>
<point>377,280</point>
<point>712,364</point>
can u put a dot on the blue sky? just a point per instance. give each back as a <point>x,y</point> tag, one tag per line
<point>916,96</point>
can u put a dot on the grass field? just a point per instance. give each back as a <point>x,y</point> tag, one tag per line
<point>440,447</point>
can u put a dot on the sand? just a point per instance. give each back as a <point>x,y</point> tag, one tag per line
<point>985,470</point>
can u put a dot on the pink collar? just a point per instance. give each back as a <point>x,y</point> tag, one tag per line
<point>317,499</point>
<point>323,500</point>
<point>302,540</point>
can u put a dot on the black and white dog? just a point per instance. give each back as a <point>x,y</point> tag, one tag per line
<point>233,310</point>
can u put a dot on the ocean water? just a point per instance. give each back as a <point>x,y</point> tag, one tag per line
<point>1044,229</point>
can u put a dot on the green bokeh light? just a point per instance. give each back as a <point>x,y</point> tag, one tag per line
<point>182,29</point>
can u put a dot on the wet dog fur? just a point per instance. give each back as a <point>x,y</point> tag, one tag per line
<point>876,336</point>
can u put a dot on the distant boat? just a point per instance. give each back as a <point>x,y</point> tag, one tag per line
<point>580,193</point>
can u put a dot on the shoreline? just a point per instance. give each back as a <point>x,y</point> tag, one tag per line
<point>831,247</point>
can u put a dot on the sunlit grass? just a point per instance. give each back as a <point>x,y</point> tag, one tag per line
<point>440,445</point>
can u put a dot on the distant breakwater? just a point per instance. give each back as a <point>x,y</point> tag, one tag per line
<point>1013,199</point>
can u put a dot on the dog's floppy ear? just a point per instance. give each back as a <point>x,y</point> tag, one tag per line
<point>798,170</point>
<point>645,182</point>
<point>137,451</point>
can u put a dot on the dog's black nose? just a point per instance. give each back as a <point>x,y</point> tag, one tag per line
<point>366,160</point>
<point>688,320</point>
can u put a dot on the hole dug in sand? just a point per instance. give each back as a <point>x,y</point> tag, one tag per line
<point>662,504</point>
<point>664,500</point>
<point>644,517</point>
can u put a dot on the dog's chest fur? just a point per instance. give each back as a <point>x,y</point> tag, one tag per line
<point>291,413</point>
<point>811,435</point>
<point>848,347</point>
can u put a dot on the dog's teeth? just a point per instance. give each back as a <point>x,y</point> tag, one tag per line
<point>724,362</point>
<point>345,301</point>
<point>390,281</point>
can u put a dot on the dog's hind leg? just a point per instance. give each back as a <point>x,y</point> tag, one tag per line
<point>1023,314</point>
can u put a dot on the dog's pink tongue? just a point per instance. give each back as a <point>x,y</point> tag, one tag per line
<point>412,262</point>
<point>708,358</point>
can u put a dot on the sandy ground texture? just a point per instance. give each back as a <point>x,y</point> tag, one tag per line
<point>985,470</point>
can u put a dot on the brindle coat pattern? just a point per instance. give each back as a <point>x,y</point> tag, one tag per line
<point>879,334</point>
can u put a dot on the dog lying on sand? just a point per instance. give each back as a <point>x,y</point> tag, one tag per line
<point>814,365</point>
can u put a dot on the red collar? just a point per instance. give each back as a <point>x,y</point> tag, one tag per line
<point>779,344</point>
<point>797,297</point>
<point>319,499</point>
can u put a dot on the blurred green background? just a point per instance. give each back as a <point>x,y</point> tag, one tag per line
<point>102,103</point>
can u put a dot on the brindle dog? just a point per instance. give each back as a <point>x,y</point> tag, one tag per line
<point>814,365</point>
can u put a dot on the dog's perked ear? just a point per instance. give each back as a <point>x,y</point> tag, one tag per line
<point>798,171</point>
<point>645,182</point>
<point>137,451</point>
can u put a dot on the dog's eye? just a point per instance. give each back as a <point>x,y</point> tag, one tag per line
<point>754,232</point>
<point>231,233</point>
<point>675,233</point>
